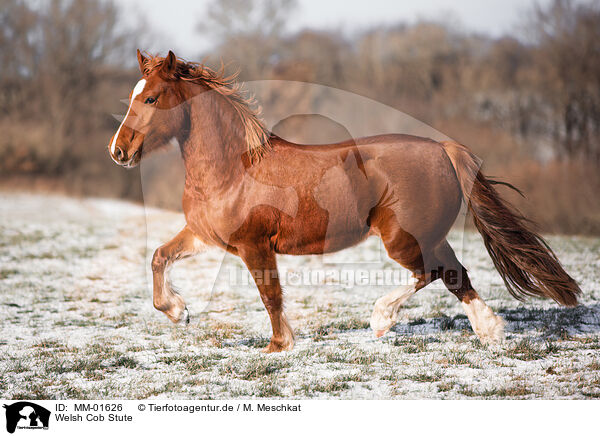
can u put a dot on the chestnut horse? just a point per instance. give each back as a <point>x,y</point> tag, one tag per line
<point>255,195</point>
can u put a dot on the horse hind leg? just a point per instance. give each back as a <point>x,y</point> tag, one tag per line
<point>427,267</point>
<point>385,312</point>
<point>405,250</point>
<point>488,326</point>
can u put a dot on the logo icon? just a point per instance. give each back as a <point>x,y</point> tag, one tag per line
<point>26,415</point>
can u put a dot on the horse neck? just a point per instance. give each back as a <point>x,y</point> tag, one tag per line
<point>215,142</point>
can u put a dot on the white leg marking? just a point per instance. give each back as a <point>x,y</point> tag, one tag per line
<point>137,90</point>
<point>488,326</point>
<point>386,309</point>
<point>185,317</point>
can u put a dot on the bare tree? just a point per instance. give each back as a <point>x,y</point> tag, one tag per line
<point>568,61</point>
<point>53,57</point>
<point>247,32</point>
<point>17,52</point>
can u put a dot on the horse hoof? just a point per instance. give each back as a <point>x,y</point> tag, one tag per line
<point>185,317</point>
<point>278,348</point>
<point>381,321</point>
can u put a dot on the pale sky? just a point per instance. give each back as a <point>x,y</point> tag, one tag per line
<point>175,21</point>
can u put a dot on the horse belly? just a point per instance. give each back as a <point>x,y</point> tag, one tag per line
<point>332,215</point>
<point>315,236</point>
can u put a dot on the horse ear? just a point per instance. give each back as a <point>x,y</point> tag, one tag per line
<point>141,61</point>
<point>169,64</point>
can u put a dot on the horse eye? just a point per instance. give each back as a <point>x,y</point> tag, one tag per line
<point>150,100</point>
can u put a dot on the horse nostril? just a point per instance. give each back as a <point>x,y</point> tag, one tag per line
<point>119,155</point>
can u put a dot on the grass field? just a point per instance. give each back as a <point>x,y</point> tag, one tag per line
<point>77,321</point>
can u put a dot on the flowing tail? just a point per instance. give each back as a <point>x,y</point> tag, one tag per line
<point>526,263</point>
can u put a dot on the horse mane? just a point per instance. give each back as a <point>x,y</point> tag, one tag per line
<point>256,133</point>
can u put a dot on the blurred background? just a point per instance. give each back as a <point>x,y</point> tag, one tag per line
<point>518,82</point>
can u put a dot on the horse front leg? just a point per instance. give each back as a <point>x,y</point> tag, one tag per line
<point>263,266</point>
<point>166,300</point>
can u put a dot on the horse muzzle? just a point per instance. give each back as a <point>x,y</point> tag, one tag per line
<point>121,157</point>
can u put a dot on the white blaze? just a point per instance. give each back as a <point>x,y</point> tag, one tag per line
<point>137,90</point>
